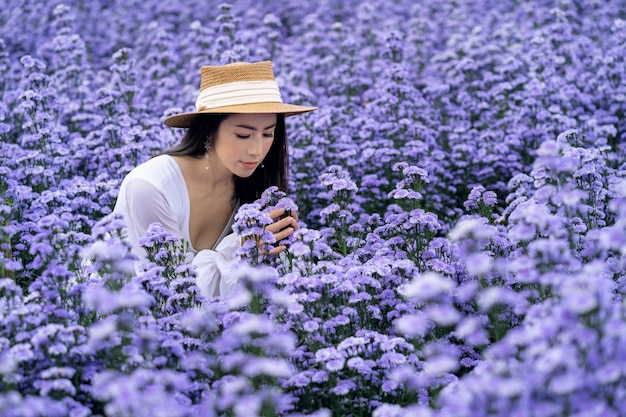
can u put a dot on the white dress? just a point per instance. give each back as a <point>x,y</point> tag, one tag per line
<point>155,191</point>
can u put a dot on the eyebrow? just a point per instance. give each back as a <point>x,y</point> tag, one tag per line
<point>254,128</point>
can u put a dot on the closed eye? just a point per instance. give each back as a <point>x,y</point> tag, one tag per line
<point>247,136</point>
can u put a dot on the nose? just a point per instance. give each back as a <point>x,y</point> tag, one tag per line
<point>255,147</point>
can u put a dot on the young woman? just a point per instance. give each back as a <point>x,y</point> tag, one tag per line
<point>235,147</point>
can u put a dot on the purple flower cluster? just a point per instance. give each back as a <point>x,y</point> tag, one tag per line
<point>460,191</point>
<point>250,223</point>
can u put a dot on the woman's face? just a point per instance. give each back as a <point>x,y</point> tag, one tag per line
<point>243,141</point>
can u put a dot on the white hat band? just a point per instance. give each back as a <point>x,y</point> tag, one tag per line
<point>239,92</point>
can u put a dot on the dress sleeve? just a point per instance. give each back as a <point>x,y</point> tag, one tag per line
<point>215,268</point>
<point>147,205</point>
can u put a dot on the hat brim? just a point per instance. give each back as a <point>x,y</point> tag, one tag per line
<point>185,119</point>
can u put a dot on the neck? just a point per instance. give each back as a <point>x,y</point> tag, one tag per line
<point>214,179</point>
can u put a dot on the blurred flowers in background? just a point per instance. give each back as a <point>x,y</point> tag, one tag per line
<point>460,192</point>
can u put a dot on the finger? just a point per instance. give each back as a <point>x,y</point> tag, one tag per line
<point>276,213</point>
<point>277,250</point>
<point>283,234</point>
<point>280,224</point>
<point>295,224</point>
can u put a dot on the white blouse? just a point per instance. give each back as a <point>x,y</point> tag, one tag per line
<point>155,191</point>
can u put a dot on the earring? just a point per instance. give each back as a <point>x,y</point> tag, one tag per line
<point>207,146</point>
<point>262,165</point>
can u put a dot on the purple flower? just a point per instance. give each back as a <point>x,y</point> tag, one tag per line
<point>267,367</point>
<point>299,249</point>
<point>338,182</point>
<point>343,387</point>
<point>301,379</point>
<point>319,376</point>
<point>478,264</point>
<point>413,325</point>
<point>311,326</point>
<point>334,365</point>
<point>426,286</point>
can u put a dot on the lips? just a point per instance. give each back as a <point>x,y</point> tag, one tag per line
<point>250,165</point>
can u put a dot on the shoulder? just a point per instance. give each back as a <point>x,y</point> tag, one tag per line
<point>157,163</point>
<point>160,169</point>
<point>157,184</point>
<point>160,173</point>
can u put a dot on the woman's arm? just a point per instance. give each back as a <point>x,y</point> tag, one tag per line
<point>145,204</point>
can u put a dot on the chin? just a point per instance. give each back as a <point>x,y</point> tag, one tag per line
<point>245,174</point>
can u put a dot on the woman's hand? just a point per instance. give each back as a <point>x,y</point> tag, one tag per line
<point>282,228</point>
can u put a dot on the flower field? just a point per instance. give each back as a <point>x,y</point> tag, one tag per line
<point>461,189</point>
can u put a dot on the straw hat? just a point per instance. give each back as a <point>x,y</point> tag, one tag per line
<point>240,87</point>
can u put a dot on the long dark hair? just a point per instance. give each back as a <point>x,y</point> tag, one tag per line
<point>275,166</point>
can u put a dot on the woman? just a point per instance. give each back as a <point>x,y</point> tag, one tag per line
<point>235,147</point>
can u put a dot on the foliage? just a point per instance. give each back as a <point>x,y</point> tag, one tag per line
<point>460,190</point>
